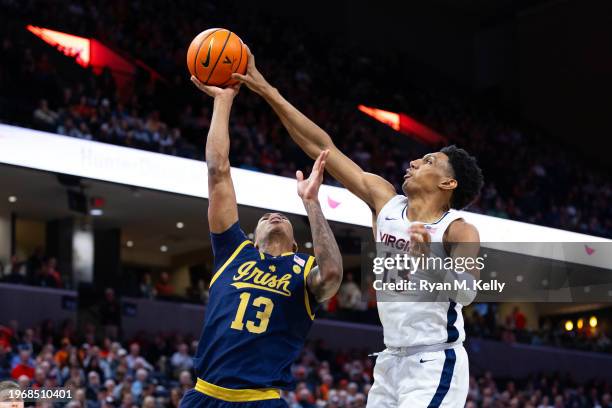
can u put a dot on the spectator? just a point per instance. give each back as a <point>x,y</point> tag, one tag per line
<point>110,313</point>
<point>181,360</point>
<point>24,365</point>
<point>51,265</point>
<point>140,384</point>
<point>164,288</point>
<point>199,292</point>
<point>15,271</point>
<point>135,360</point>
<point>45,118</point>
<point>349,295</point>
<point>146,287</point>
<point>93,386</point>
<point>44,278</point>
<point>520,321</point>
<point>7,395</point>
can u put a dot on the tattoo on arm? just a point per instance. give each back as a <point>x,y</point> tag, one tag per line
<point>324,279</point>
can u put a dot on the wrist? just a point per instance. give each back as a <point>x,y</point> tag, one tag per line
<point>311,201</point>
<point>224,99</point>
<point>267,91</point>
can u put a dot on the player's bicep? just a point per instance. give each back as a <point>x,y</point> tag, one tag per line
<point>372,189</point>
<point>222,206</point>
<point>465,241</point>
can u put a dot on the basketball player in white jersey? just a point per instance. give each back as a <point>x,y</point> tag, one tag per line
<point>425,364</point>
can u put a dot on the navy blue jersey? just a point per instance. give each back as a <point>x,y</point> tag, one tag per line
<point>258,315</point>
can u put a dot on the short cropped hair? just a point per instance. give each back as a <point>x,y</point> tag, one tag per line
<point>468,175</point>
<point>5,391</point>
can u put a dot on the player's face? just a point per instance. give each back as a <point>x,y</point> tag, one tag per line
<point>427,172</point>
<point>274,223</point>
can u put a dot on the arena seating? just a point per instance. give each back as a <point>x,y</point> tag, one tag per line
<point>170,116</point>
<point>155,371</point>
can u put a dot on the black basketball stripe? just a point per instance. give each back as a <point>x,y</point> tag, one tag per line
<point>195,60</point>
<point>220,54</point>
<point>242,50</point>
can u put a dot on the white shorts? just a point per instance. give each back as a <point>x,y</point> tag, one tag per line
<point>427,379</point>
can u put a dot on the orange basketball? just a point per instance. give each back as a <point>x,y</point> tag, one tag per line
<point>214,55</point>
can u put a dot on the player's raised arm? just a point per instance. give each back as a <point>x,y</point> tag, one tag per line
<point>372,189</point>
<point>222,207</point>
<point>323,280</point>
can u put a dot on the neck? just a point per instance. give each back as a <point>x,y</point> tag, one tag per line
<point>274,247</point>
<point>426,208</point>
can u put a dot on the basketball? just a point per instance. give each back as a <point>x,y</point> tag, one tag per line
<point>214,55</point>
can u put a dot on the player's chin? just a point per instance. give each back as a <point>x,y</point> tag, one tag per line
<point>277,229</point>
<point>405,185</point>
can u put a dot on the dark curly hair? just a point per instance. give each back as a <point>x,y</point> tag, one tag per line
<point>468,175</point>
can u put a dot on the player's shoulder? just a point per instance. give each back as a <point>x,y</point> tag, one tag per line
<point>398,201</point>
<point>459,230</point>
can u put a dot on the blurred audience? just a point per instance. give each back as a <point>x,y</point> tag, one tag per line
<point>168,115</point>
<point>103,374</point>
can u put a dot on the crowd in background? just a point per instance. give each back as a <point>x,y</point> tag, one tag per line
<point>155,371</point>
<point>349,304</point>
<point>170,116</point>
<point>38,270</point>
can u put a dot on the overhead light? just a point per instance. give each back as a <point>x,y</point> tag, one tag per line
<point>251,235</point>
<point>163,248</point>
<point>96,212</point>
<point>593,322</point>
<point>580,324</point>
<point>129,244</point>
<point>180,225</point>
<point>308,244</point>
<point>569,326</point>
<point>12,199</point>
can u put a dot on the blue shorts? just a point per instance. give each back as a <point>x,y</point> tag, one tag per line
<point>196,399</point>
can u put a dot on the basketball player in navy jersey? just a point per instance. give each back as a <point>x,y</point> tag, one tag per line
<point>263,294</point>
<point>425,364</point>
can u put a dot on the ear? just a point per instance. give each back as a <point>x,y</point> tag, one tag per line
<point>295,246</point>
<point>448,184</point>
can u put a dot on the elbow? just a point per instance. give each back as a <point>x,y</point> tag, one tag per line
<point>333,273</point>
<point>218,170</point>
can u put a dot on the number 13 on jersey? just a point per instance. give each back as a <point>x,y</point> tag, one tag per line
<point>264,306</point>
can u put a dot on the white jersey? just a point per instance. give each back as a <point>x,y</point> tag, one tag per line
<point>410,324</point>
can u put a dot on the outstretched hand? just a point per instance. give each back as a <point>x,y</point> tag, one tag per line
<point>214,91</point>
<point>308,189</point>
<point>252,78</point>
<point>420,240</point>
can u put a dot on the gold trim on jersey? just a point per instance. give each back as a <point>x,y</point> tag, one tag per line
<point>242,285</point>
<point>306,296</point>
<point>230,395</point>
<point>229,260</point>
